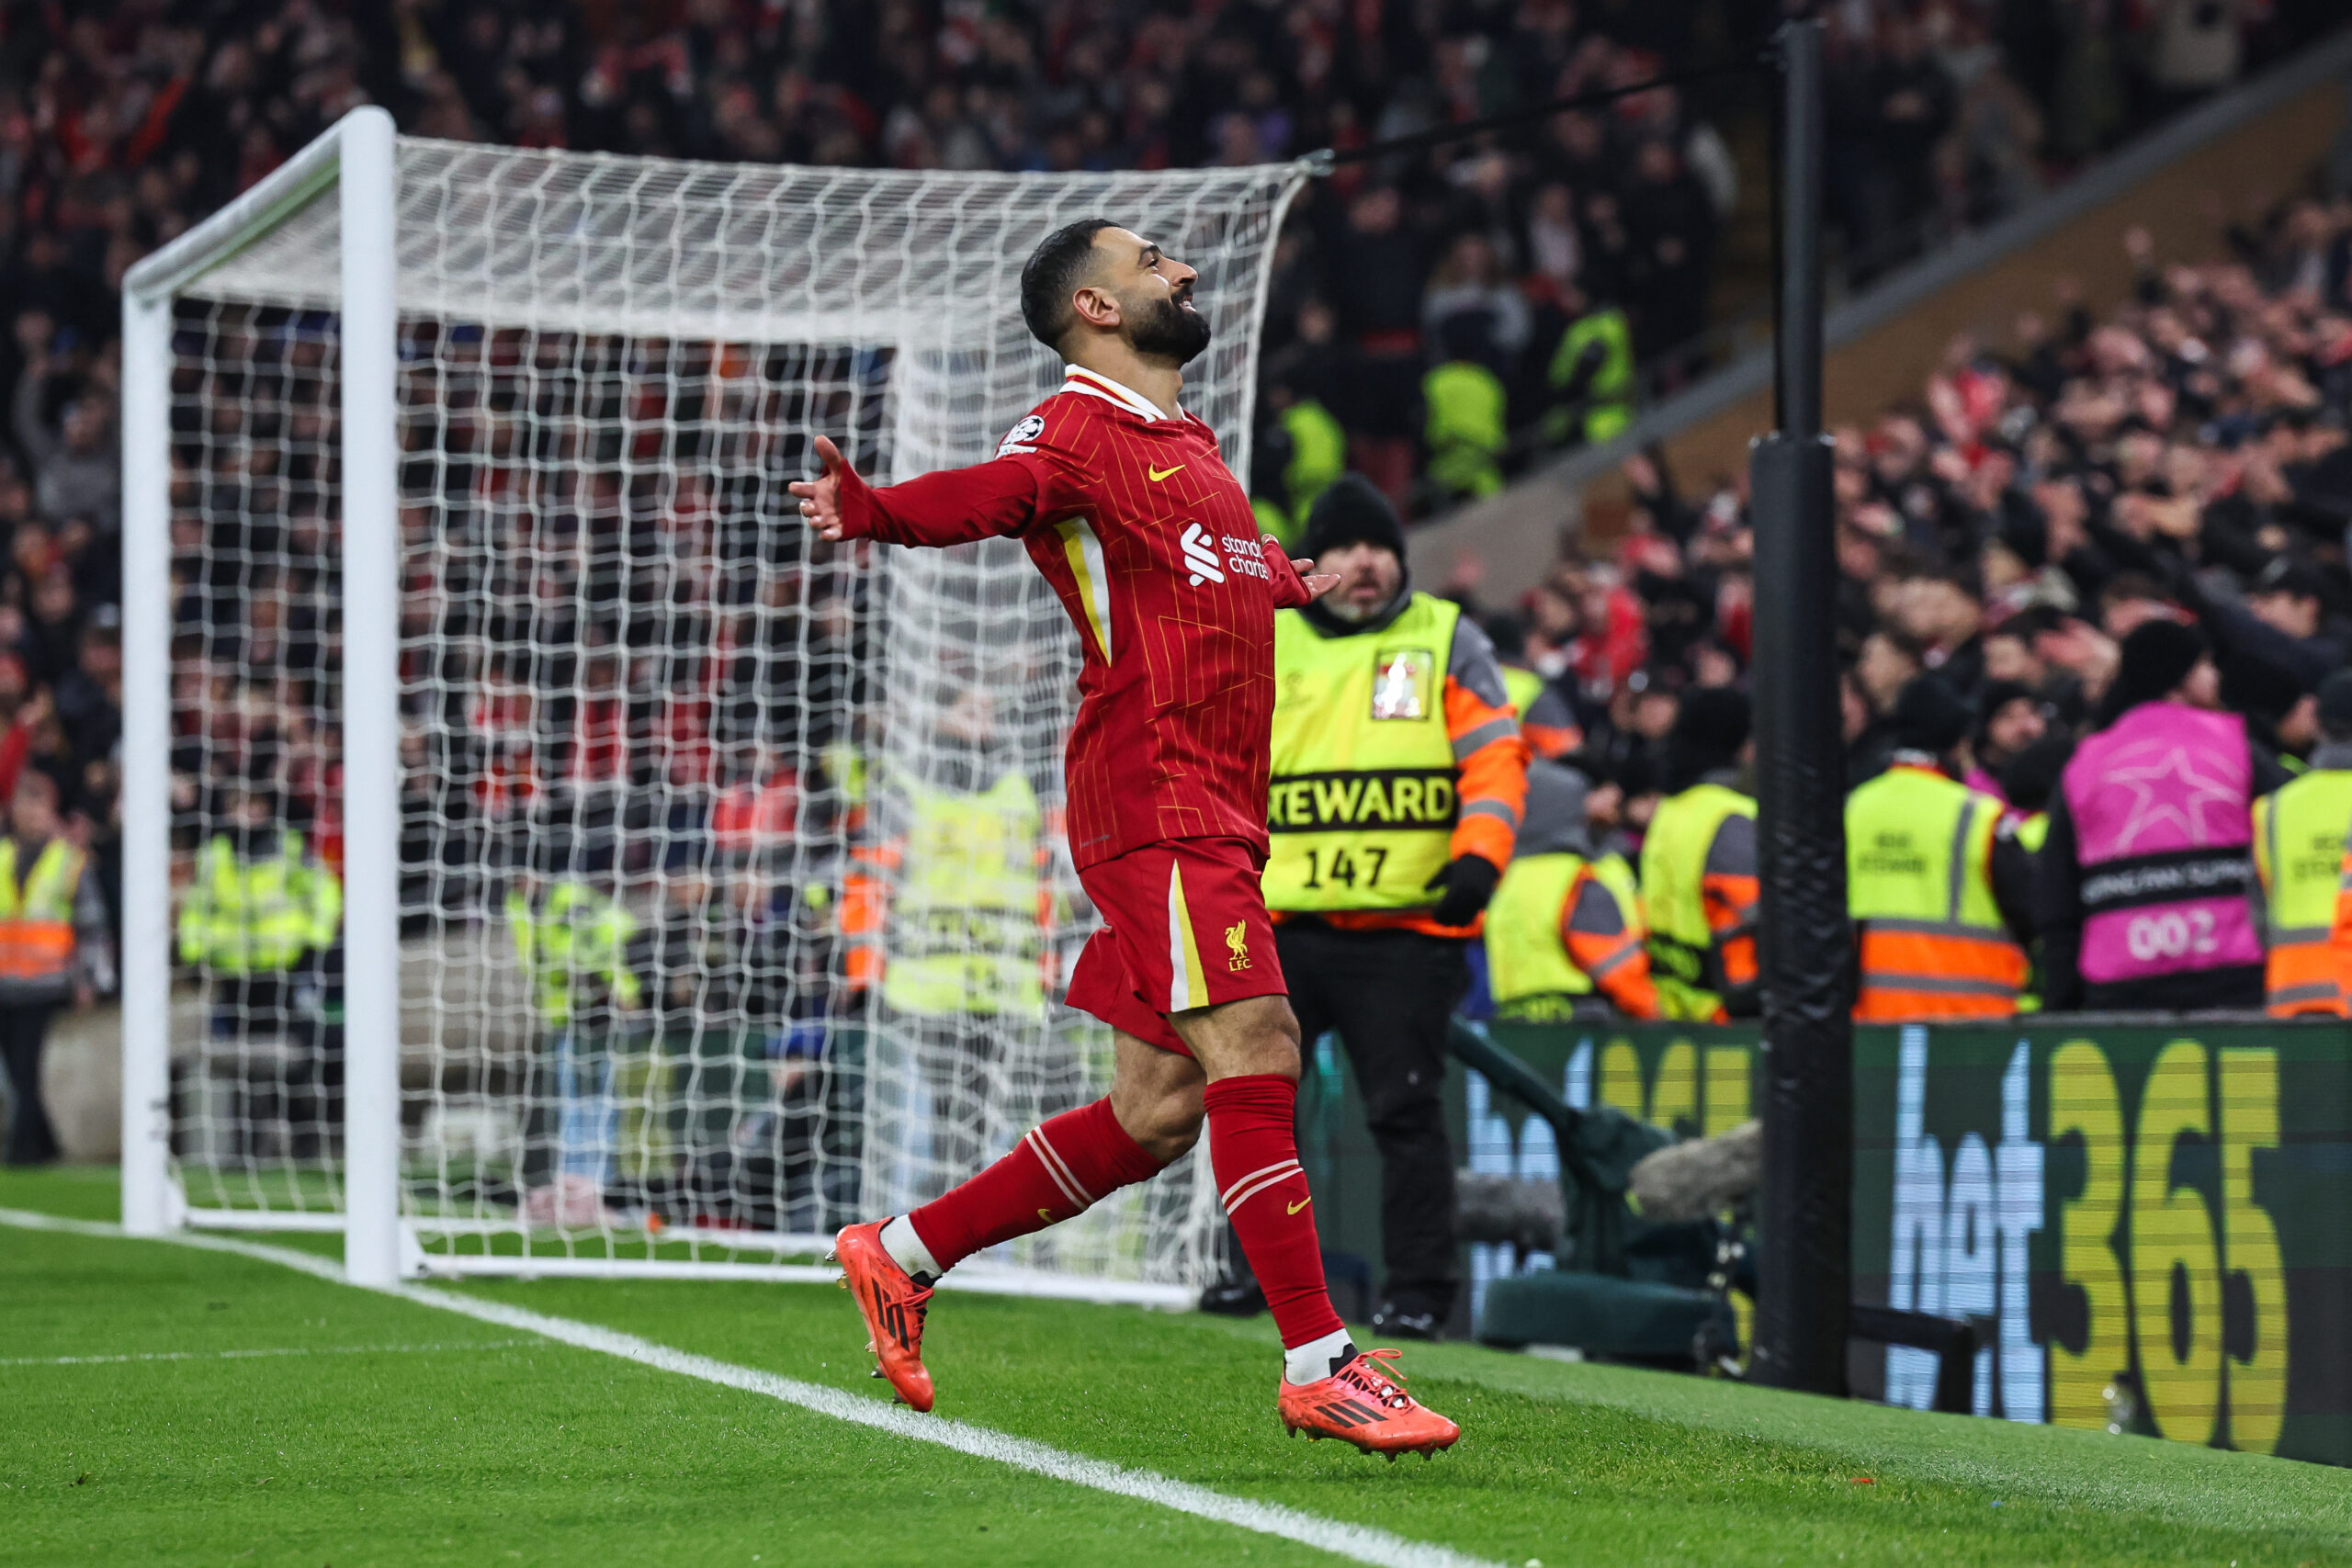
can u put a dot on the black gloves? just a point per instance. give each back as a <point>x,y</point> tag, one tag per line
<point>1469,881</point>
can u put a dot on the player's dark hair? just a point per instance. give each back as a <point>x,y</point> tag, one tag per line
<point>1052,272</point>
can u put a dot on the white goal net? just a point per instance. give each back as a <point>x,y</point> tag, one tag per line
<point>732,903</point>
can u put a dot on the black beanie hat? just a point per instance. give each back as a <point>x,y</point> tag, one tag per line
<point>1929,715</point>
<point>2157,657</point>
<point>1995,696</point>
<point>2336,706</point>
<point>1709,731</point>
<point>1352,511</point>
<point>2032,777</point>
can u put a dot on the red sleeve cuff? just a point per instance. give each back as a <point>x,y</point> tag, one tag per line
<point>857,505</point>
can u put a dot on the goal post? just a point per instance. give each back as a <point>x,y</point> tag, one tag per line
<point>542,856</point>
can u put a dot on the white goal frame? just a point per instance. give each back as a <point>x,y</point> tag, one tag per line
<point>356,156</point>
<point>358,160</point>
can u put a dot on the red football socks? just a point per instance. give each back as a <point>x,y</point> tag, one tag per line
<point>1253,1148</point>
<point>1055,1171</point>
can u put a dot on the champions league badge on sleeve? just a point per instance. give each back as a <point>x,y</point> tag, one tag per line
<point>1019,438</point>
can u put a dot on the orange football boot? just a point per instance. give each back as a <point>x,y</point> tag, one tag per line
<point>893,1306</point>
<point>1364,1402</point>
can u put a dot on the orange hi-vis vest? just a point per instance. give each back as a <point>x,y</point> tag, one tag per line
<point>37,918</point>
<point>2298,832</point>
<point>2340,934</point>
<point>864,897</point>
<point>1918,851</point>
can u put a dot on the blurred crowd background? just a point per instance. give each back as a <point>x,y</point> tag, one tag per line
<point>2184,458</point>
<point>1434,322</point>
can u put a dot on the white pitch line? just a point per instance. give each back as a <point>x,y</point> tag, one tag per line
<point>255,1355</point>
<point>1359,1543</point>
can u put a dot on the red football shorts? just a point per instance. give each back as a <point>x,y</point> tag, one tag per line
<point>1184,926</point>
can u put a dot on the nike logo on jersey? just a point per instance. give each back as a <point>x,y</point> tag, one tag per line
<point>1301,1203</point>
<point>1156,475</point>
<point>1200,554</point>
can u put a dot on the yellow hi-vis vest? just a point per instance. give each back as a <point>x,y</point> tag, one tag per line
<point>37,921</point>
<point>1931,938</point>
<point>1674,869</point>
<point>575,943</point>
<point>2299,831</point>
<point>1523,686</point>
<point>1319,455</point>
<point>1467,427</point>
<point>962,933</point>
<point>257,917</point>
<point>1362,803</point>
<point>1527,964</point>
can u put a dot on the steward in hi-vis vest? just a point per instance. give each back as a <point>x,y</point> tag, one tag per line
<point>573,943</point>
<point>2143,891</point>
<point>1565,937</point>
<point>53,951</point>
<point>1399,779</point>
<point>2299,836</point>
<point>1299,451</point>
<point>1591,378</point>
<point>1926,859</point>
<point>256,912</point>
<point>1466,425</point>
<point>962,922</point>
<point>259,921</point>
<point>1699,887</point>
<point>1546,721</point>
<point>962,934</point>
<point>574,946</point>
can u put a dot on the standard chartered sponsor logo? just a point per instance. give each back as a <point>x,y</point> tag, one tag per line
<point>1200,554</point>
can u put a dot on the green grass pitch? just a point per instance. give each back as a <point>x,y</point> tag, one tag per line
<point>160,1404</point>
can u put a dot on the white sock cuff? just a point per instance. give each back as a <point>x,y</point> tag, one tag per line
<point>906,1248</point>
<point>1311,1362</point>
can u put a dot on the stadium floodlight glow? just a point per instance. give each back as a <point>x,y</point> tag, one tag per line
<point>458,555</point>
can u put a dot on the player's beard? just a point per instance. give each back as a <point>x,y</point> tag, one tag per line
<point>1167,330</point>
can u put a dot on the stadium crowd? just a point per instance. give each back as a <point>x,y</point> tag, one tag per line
<point>122,122</point>
<point>1422,312</point>
<point>2002,538</point>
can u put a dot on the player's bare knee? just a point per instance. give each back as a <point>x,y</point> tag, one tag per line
<point>1256,1036</point>
<point>1155,1095</point>
<point>1172,1124</point>
<point>1160,1113</point>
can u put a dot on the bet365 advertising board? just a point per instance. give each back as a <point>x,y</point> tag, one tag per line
<point>2154,1220</point>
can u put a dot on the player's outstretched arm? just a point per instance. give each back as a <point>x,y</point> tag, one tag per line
<point>954,506</point>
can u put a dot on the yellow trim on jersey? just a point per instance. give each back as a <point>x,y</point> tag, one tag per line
<point>1188,984</point>
<point>1083,549</point>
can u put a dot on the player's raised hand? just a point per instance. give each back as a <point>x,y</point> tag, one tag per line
<point>820,498</point>
<point>1296,582</point>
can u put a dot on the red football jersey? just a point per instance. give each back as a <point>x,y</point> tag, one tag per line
<point>1149,540</point>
